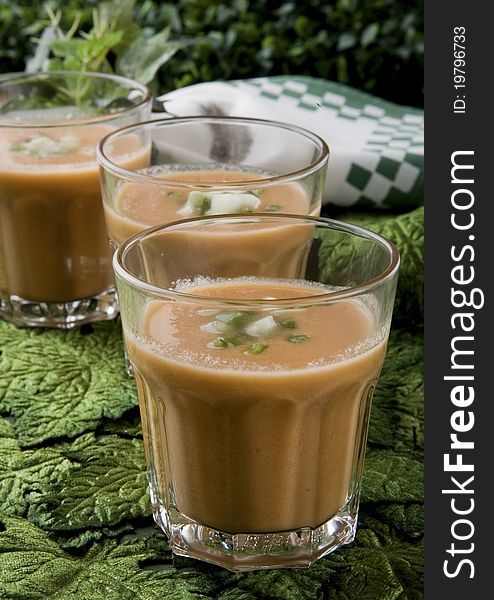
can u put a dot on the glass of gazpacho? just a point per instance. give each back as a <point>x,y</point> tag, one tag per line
<point>201,166</point>
<point>55,263</point>
<point>255,378</point>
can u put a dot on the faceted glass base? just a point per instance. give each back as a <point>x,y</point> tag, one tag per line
<point>254,551</point>
<point>59,315</point>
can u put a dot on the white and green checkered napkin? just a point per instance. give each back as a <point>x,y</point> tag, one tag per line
<point>377,147</point>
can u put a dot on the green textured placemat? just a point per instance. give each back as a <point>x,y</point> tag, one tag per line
<point>74,514</point>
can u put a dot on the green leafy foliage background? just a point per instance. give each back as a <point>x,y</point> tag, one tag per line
<point>75,520</point>
<point>373,45</point>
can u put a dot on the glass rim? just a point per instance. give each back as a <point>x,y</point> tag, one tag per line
<point>7,78</point>
<point>159,293</point>
<point>133,176</point>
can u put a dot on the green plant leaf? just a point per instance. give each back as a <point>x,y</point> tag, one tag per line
<point>346,40</point>
<point>392,477</point>
<point>369,34</point>
<point>377,565</point>
<point>398,407</point>
<point>407,519</point>
<point>80,540</point>
<point>117,15</point>
<point>106,484</point>
<point>406,231</point>
<point>34,567</point>
<point>90,52</point>
<point>61,384</point>
<point>22,472</point>
<point>145,55</point>
<point>129,425</point>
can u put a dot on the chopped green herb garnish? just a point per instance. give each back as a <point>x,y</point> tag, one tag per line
<point>298,339</point>
<point>246,209</point>
<point>42,146</point>
<point>272,207</point>
<point>257,193</point>
<point>235,327</point>
<point>197,204</point>
<point>256,348</point>
<point>235,318</point>
<point>200,203</point>
<point>222,342</point>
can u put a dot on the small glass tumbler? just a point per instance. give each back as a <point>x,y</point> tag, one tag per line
<point>200,166</point>
<point>55,264</point>
<point>256,342</point>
